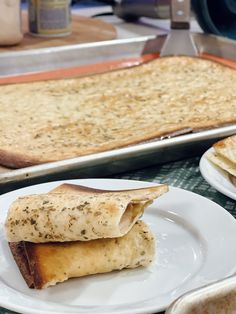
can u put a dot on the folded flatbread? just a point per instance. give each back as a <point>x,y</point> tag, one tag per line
<point>45,264</point>
<point>79,215</point>
<point>227,148</point>
<point>224,155</point>
<point>222,163</point>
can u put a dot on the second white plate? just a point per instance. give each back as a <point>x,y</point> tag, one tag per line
<point>195,246</point>
<point>217,177</point>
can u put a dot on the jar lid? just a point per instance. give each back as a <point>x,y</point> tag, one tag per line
<point>216,17</point>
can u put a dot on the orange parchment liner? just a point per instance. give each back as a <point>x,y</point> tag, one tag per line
<point>90,69</point>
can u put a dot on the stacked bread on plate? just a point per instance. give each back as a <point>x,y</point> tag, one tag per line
<point>74,231</point>
<point>224,156</point>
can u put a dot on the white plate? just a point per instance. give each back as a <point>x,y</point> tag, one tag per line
<point>217,177</point>
<point>195,246</point>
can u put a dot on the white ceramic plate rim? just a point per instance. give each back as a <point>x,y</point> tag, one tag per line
<point>216,177</point>
<point>209,233</point>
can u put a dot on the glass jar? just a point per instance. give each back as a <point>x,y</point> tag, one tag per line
<point>10,22</point>
<point>49,18</point>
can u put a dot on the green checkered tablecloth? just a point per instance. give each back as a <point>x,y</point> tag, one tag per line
<point>183,174</point>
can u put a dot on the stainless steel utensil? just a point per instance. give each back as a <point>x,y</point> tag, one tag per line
<point>179,41</point>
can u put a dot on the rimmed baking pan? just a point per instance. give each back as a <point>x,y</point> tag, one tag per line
<point>129,52</point>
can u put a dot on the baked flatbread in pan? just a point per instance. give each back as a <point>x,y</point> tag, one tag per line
<point>55,120</point>
<point>77,214</point>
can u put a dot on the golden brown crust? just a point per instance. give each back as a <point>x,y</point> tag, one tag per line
<point>220,144</point>
<point>226,149</point>
<point>20,255</point>
<point>15,160</point>
<point>45,264</point>
<point>229,142</point>
<point>78,189</point>
<point>33,259</point>
<point>26,256</point>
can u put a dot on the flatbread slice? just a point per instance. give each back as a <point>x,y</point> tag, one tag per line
<point>80,214</point>
<point>226,148</point>
<point>222,163</point>
<point>45,264</point>
<point>224,156</point>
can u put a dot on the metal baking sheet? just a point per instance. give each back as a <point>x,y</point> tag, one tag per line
<point>128,158</point>
<point>217,298</point>
<point>44,59</point>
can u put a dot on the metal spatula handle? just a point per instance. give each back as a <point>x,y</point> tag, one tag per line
<point>179,41</point>
<point>180,14</point>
